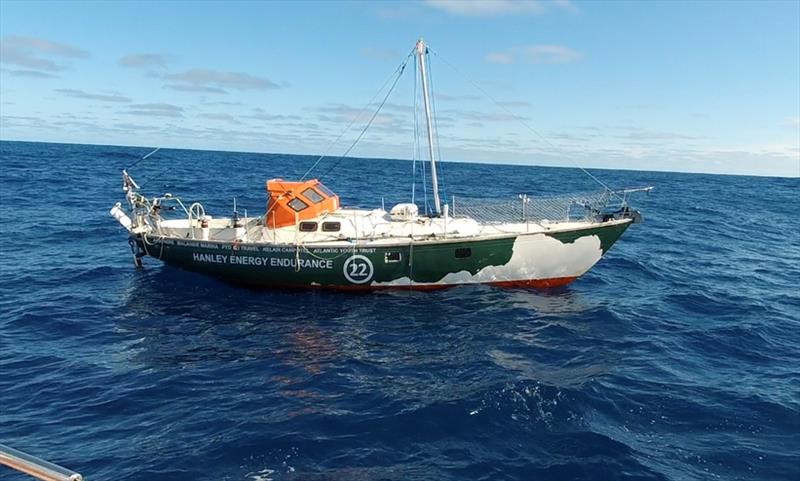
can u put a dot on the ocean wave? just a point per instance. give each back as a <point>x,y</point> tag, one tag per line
<point>673,359</point>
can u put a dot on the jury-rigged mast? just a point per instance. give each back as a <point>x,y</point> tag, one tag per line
<point>421,52</point>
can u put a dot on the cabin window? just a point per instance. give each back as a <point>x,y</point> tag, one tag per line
<point>313,196</point>
<point>297,205</point>
<point>325,190</point>
<point>308,227</point>
<point>392,257</point>
<point>331,226</point>
<point>463,252</point>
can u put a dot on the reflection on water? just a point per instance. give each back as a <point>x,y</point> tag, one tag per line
<point>181,319</point>
<point>555,302</point>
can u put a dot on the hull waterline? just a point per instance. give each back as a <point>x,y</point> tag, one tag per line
<point>541,260</point>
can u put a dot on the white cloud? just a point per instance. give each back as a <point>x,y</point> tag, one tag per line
<point>479,8</point>
<point>634,134</point>
<point>223,102</point>
<point>550,54</point>
<point>346,114</point>
<point>212,81</point>
<point>567,6</point>
<point>515,104</point>
<point>35,55</point>
<point>155,110</point>
<point>220,116</point>
<point>196,88</point>
<point>80,94</point>
<point>483,8</point>
<point>479,116</point>
<point>536,54</point>
<point>143,60</point>
<point>28,73</point>
<point>601,151</point>
<point>500,57</point>
<point>455,98</point>
<point>260,114</point>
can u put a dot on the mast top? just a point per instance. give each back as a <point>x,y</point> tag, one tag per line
<point>420,46</point>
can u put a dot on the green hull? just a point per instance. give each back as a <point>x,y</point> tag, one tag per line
<point>525,259</point>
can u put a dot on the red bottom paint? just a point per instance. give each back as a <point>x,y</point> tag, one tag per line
<point>525,284</point>
<point>536,283</point>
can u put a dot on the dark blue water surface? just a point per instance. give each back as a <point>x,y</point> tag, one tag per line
<point>677,357</point>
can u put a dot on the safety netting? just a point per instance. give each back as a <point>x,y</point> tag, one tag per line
<point>524,208</point>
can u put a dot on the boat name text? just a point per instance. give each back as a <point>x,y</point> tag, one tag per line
<point>242,260</point>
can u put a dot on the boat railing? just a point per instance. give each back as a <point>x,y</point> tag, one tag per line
<point>36,467</point>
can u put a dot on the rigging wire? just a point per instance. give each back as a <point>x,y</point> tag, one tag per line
<point>424,184</point>
<point>144,157</point>
<point>398,72</point>
<point>374,115</point>
<point>519,119</point>
<point>418,147</point>
<point>422,165</point>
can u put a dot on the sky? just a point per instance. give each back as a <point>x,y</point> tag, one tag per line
<point>675,86</point>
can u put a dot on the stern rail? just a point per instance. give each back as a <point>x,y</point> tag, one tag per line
<point>36,467</point>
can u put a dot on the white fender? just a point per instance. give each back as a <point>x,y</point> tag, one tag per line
<point>119,214</point>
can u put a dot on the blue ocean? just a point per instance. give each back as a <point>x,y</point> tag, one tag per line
<point>676,358</point>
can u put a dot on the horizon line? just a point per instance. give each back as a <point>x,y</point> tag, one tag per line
<point>576,167</point>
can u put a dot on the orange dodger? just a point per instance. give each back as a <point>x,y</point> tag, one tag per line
<point>291,202</point>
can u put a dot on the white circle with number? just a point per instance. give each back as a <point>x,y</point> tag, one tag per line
<point>358,269</point>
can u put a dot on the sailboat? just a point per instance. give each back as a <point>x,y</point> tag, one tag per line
<point>306,239</point>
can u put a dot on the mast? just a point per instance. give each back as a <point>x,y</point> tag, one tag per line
<point>421,51</point>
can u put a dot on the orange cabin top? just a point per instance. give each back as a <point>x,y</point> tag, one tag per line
<point>291,202</point>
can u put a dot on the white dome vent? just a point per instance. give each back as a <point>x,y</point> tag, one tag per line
<point>404,212</point>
